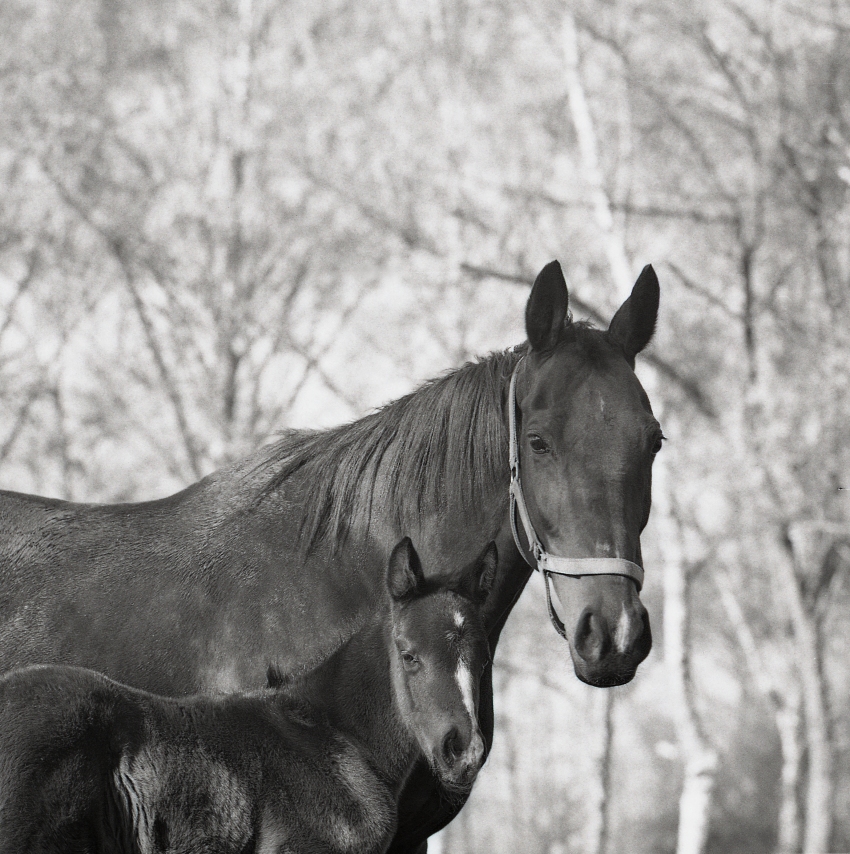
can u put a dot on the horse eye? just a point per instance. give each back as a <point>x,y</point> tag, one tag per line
<point>411,662</point>
<point>658,445</point>
<point>538,445</point>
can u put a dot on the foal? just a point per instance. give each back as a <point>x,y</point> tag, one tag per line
<point>90,765</point>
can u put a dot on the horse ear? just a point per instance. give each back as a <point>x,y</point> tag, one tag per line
<point>546,309</point>
<point>634,323</point>
<point>404,573</point>
<point>482,573</point>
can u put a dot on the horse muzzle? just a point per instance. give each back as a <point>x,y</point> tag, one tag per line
<point>605,655</point>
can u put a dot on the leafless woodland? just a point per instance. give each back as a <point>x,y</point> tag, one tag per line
<point>220,218</point>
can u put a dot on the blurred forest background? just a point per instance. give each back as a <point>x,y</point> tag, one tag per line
<point>220,218</point>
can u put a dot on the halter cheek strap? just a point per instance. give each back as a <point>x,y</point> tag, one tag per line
<point>541,560</point>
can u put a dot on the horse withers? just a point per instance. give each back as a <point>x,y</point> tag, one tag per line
<point>90,765</point>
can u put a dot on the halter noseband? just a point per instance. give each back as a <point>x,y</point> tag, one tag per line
<point>546,563</point>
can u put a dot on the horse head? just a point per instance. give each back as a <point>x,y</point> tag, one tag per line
<point>439,649</point>
<point>586,440</point>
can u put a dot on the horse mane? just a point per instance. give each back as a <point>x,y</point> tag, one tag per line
<point>439,447</point>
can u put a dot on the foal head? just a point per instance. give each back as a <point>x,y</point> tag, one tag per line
<point>438,651</point>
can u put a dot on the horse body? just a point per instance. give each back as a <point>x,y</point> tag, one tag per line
<point>156,594</point>
<point>291,542</point>
<point>90,765</point>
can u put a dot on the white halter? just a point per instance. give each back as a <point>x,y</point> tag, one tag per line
<point>541,560</point>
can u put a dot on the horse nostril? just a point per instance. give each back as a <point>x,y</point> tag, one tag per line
<point>592,639</point>
<point>452,748</point>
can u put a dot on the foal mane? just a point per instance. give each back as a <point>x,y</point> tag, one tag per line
<point>437,448</point>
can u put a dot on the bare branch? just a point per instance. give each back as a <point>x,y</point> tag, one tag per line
<point>702,292</point>
<point>410,233</point>
<point>693,140</point>
<point>119,249</point>
<point>169,385</point>
<point>23,284</point>
<point>35,392</point>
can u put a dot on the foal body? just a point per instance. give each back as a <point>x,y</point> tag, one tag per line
<point>96,766</point>
<point>90,765</point>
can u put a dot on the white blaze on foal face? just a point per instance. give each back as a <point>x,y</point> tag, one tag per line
<point>463,674</point>
<point>463,677</point>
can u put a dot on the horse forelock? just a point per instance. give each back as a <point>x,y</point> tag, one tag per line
<point>593,344</point>
<point>437,448</point>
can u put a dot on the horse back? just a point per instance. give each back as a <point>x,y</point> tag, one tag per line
<point>159,594</point>
<point>131,590</point>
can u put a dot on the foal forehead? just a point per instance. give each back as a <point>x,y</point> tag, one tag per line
<point>441,617</point>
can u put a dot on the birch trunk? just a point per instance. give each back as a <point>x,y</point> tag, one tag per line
<point>784,696</point>
<point>788,726</point>
<point>819,794</point>
<point>700,757</point>
<point>615,251</point>
<point>599,819</point>
<point>614,242</point>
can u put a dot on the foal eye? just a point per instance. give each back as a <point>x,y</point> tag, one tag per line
<point>538,445</point>
<point>410,661</point>
<point>658,445</point>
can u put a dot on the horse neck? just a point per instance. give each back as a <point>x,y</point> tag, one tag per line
<point>432,465</point>
<point>353,689</point>
<point>377,516</point>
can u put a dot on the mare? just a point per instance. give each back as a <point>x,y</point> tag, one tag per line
<point>281,556</point>
<point>90,765</point>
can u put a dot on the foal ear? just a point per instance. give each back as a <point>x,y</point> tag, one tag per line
<point>634,323</point>
<point>404,573</point>
<point>546,309</point>
<point>482,573</point>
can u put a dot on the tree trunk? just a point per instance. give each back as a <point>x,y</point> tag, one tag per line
<point>615,251</point>
<point>599,819</point>
<point>701,758</point>
<point>784,696</point>
<point>819,795</point>
<point>788,725</point>
<point>614,243</point>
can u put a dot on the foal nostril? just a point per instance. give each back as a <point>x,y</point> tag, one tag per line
<point>452,748</point>
<point>592,639</point>
<point>477,751</point>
